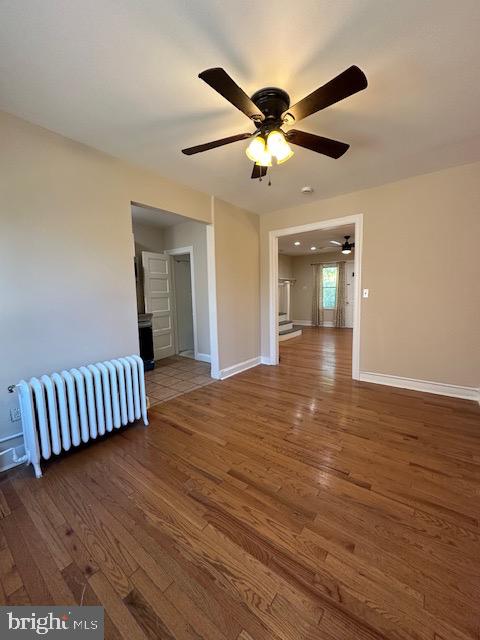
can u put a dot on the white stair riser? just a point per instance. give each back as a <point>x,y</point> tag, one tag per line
<point>282,316</point>
<point>285,327</point>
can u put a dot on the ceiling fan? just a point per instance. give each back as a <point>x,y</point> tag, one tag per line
<point>347,246</point>
<point>269,109</point>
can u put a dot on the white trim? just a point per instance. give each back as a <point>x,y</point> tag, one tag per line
<point>12,437</point>
<point>203,357</point>
<point>7,457</point>
<point>308,323</point>
<point>239,367</point>
<point>212,295</point>
<point>426,386</point>
<point>181,251</point>
<point>265,360</point>
<point>273,236</point>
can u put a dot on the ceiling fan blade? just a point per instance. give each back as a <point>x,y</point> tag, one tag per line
<point>219,80</point>
<point>327,146</point>
<point>346,84</point>
<point>258,172</point>
<point>216,143</point>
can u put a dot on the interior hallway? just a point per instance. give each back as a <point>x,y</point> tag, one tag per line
<point>283,503</point>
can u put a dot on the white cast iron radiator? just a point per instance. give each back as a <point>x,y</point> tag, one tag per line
<point>62,410</point>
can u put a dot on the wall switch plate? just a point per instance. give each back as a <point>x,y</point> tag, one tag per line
<point>365,293</point>
<point>15,414</point>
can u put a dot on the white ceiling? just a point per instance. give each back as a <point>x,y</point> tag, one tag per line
<point>121,76</point>
<point>320,239</point>
<point>156,217</point>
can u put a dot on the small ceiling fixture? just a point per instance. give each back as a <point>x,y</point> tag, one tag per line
<point>347,246</point>
<point>313,248</point>
<point>336,242</point>
<point>296,243</point>
<point>307,189</point>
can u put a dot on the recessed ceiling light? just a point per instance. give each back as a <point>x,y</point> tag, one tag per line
<point>313,248</point>
<point>307,190</point>
<point>296,243</point>
<point>336,242</point>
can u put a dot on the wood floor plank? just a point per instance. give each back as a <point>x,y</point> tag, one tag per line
<point>32,579</point>
<point>118,612</point>
<point>284,503</point>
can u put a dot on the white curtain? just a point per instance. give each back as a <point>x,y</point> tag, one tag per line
<point>340,307</point>
<point>317,301</point>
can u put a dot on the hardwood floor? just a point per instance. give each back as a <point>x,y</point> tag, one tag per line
<point>285,503</point>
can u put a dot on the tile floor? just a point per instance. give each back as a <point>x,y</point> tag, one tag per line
<point>174,376</point>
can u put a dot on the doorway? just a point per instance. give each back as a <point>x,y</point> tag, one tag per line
<point>329,269</point>
<point>184,302</point>
<point>175,285</point>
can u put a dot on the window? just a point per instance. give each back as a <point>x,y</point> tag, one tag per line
<point>330,287</point>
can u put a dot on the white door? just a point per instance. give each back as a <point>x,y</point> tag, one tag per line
<point>157,285</point>
<point>349,293</point>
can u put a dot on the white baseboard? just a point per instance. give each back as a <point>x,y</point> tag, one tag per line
<point>308,323</point>
<point>203,357</point>
<point>266,360</point>
<point>238,368</point>
<point>438,388</point>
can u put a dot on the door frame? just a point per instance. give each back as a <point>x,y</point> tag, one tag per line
<point>351,262</point>
<point>357,220</point>
<point>182,251</point>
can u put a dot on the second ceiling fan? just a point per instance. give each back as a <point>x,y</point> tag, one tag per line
<point>270,109</point>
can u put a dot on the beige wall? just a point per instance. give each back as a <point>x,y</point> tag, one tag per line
<point>421,263</point>
<point>285,266</point>
<point>238,285</point>
<point>66,278</point>
<point>194,234</point>
<point>302,290</point>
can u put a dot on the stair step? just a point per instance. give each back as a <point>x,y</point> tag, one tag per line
<point>285,325</point>
<point>295,327</point>
<point>294,332</point>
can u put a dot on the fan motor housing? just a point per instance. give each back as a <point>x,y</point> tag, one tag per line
<point>272,102</point>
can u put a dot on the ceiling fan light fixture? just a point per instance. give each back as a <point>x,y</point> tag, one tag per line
<point>278,146</point>
<point>256,149</point>
<point>265,159</point>
<point>285,154</point>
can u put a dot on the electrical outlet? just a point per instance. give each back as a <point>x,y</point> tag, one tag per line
<point>15,414</point>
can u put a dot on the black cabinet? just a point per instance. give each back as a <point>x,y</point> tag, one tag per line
<point>145,335</point>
